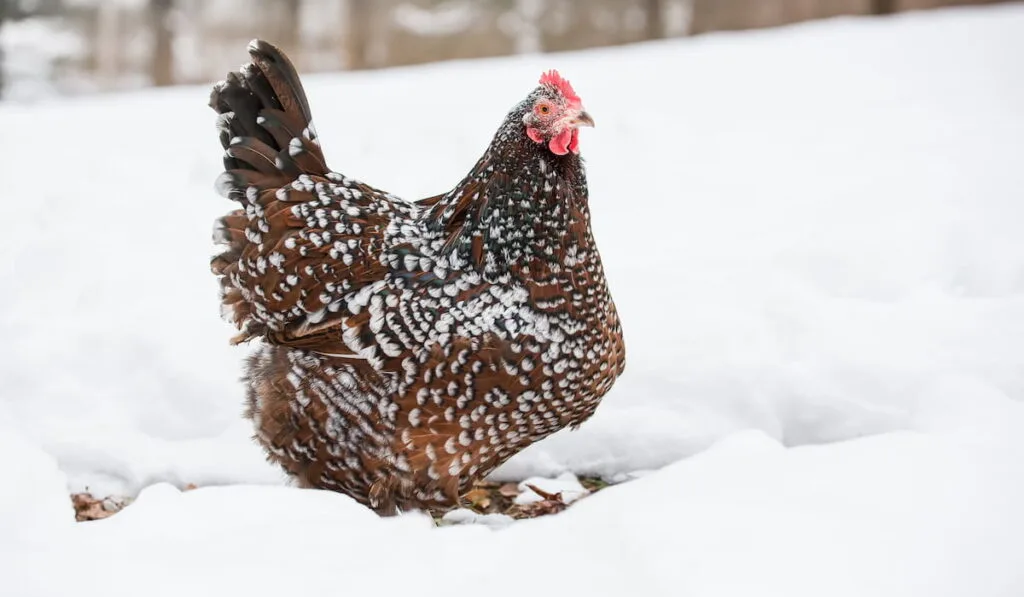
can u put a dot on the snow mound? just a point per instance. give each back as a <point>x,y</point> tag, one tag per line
<point>34,502</point>
<point>899,514</point>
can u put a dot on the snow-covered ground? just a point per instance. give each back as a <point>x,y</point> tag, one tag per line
<point>812,234</point>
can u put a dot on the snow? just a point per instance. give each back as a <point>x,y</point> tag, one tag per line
<point>812,235</point>
<point>34,501</point>
<point>467,516</point>
<point>566,485</point>
<point>904,513</point>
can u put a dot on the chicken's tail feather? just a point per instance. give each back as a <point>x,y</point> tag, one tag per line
<point>269,141</point>
<point>265,123</point>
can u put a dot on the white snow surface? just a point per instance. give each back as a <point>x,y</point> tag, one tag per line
<point>566,485</point>
<point>812,235</point>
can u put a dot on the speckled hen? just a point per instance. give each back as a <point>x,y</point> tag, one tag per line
<point>406,349</point>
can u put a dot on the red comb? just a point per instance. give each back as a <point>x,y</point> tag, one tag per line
<point>555,80</point>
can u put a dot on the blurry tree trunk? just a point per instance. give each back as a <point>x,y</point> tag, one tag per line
<point>528,38</point>
<point>10,10</point>
<point>359,14</point>
<point>3,17</point>
<point>162,65</point>
<point>655,19</point>
<point>883,7</point>
<point>106,40</point>
<point>705,16</point>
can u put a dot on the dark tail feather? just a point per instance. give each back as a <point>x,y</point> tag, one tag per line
<point>267,133</point>
<point>265,123</point>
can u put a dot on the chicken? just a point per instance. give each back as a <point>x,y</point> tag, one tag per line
<point>406,349</point>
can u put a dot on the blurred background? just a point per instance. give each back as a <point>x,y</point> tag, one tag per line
<point>51,47</point>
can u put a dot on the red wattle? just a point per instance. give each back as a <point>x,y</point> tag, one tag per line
<point>574,143</point>
<point>534,135</point>
<point>559,144</point>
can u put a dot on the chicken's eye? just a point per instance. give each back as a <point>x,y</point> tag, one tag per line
<point>543,109</point>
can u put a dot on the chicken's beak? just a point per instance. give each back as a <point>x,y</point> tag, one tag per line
<point>583,119</point>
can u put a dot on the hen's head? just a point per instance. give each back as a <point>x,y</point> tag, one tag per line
<point>554,115</point>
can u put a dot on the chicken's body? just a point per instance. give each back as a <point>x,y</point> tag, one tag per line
<point>409,347</point>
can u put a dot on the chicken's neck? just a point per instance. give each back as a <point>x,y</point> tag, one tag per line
<point>519,212</point>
